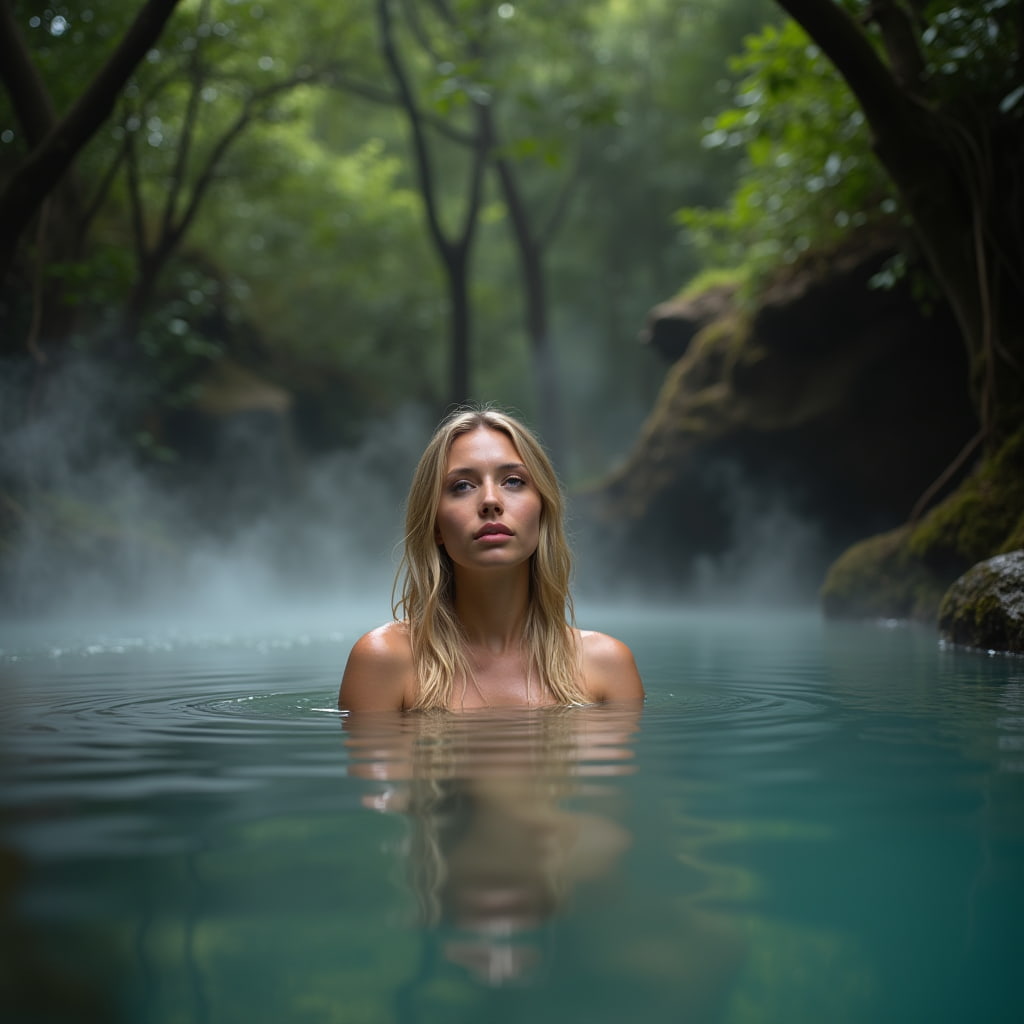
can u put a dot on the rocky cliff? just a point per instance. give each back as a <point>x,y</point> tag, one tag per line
<point>836,400</point>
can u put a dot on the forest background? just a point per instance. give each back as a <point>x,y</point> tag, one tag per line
<point>295,236</point>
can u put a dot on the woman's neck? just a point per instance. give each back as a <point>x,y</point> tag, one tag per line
<point>492,607</point>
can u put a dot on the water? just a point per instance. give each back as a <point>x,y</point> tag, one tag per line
<point>808,822</point>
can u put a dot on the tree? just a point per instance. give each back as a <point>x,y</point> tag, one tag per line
<point>939,84</point>
<point>56,143</point>
<point>454,249</point>
<point>808,176</point>
<point>481,59</point>
<point>193,144</point>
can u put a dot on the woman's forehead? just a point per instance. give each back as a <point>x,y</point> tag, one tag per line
<point>482,445</point>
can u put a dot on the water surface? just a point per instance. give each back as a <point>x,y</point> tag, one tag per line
<point>809,821</point>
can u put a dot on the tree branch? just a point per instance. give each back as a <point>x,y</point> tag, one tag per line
<point>899,33</point>
<point>481,154</point>
<point>424,165</point>
<point>99,197</point>
<point>847,46</point>
<point>44,167</point>
<point>368,91</point>
<point>419,30</point>
<point>178,171</point>
<point>29,97</point>
<point>207,174</point>
<point>135,201</point>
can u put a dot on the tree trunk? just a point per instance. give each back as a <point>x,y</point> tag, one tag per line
<point>454,251</point>
<point>531,270</point>
<point>960,179</point>
<point>461,319</point>
<point>46,164</point>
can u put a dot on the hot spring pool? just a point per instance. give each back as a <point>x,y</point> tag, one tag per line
<point>809,822</point>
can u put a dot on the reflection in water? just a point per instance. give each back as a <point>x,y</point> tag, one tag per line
<point>822,823</point>
<point>496,844</point>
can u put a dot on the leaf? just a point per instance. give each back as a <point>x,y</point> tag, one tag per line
<point>1011,100</point>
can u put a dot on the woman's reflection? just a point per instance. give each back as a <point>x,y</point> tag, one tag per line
<point>509,813</point>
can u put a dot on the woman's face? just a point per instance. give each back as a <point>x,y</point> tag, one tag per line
<point>490,508</point>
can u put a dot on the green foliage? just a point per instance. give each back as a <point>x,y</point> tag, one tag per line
<point>97,280</point>
<point>336,265</point>
<point>68,41</point>
<point>971,54</point>
<point>809,175</point>
<point>308,260</point>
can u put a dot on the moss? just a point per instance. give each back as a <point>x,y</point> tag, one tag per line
<point>1015,541</point>
<point>878,578</point>
<point>706,280</point>
<point>706,367</point>
<point>983,517</point>
<point>905,573</point>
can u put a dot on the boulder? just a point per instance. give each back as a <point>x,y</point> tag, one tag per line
<point>985,607</point>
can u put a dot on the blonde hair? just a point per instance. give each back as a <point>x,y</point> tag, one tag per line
<point>428,588</point>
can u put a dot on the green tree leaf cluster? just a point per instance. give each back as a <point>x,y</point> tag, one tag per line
<point>808,176</point>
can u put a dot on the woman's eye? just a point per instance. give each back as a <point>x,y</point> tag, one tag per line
<point>460,486</point>
<point>515,481</point>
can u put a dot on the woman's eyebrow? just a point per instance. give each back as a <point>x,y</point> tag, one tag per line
<point>475,470</point>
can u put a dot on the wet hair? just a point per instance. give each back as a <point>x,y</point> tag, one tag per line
<point>427,600</point>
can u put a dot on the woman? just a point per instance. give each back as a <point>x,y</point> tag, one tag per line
<point>486,588</point>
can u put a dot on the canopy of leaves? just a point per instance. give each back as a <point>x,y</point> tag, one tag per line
<point>808,175</point>
<point>257,171</point>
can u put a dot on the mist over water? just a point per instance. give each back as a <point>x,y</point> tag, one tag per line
<point>768,553</point>
<point>258,536</point>
<point>256,528</point>
<point>775,556</point>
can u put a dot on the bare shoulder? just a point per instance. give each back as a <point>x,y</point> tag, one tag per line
<point>379,674</point>
<point>609,668</point>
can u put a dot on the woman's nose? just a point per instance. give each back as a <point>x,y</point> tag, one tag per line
<point>490,499</point>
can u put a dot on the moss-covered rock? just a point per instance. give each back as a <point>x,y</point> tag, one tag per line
<point>985,607</point>
<point>672,325</point>
<point>983,517</point>
<point>906,572</point>
<point>828,398</point>
<point>878,578</point>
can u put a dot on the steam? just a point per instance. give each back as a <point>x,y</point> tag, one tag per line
<point>769,552</point>
<point>776,558</point>
<point>263,533</point>
<point>259,530</point>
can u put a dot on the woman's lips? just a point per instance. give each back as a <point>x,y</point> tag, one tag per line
<point>495,530</point>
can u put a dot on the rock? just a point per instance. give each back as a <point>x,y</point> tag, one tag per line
<point>672,325</point>
<point>878,578</point>
<point>834,401</point>
<point>904,573</point>
<point>985,607</point>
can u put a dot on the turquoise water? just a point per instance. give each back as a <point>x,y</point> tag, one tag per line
<point>809,821</point>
